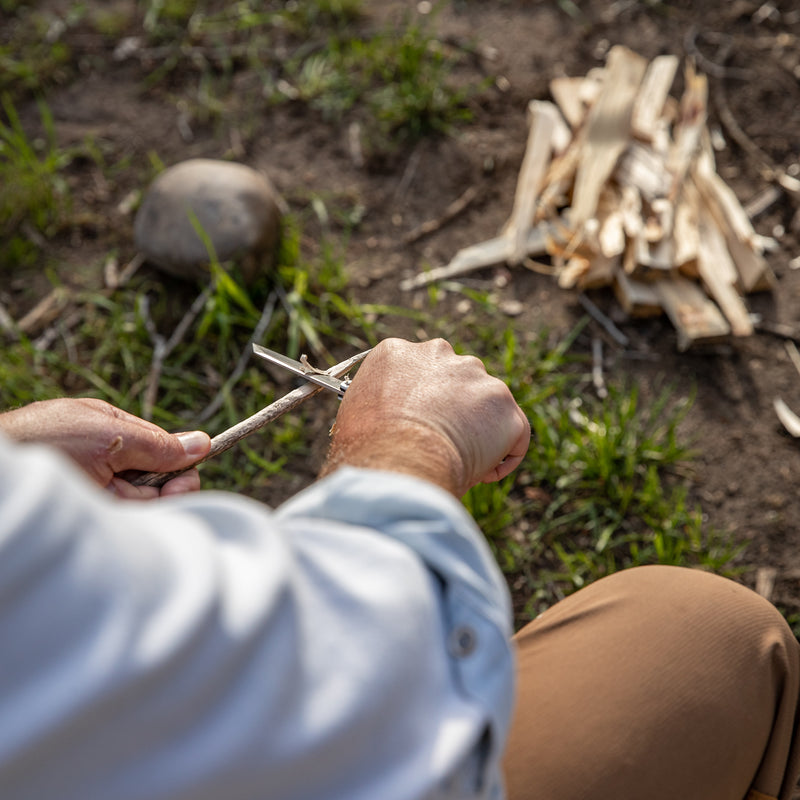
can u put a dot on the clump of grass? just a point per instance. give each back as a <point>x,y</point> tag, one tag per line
<point>32,187</point>
<point>398,83</point>
<point>31,56</point>
<point>304,15</point>
<point>176,12</point>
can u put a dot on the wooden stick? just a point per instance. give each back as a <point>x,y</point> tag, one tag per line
<point>477,256</point>
<point>611,329</point>
<point>450,213</point>
<point>529,183</point>
<point>608,129</point>
<point>228,438</point>
<point>653,94</point>
<point>597,368</point>
<point>7,323</point>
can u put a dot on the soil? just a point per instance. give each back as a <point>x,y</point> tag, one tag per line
<point>747,463</point>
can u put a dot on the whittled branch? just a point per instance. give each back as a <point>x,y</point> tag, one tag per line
<point>228,438</point>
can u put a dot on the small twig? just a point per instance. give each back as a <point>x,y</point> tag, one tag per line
<point>354,144</point>
<point>711,67</point>
<point>597,368</point>
<point>228,438</point>
<point>7,323</point>
<point>119,278</point>
<point>777,329</point>
<point>539,267</point>
<point>611,329</point>
<point>766,167</point>
<point>46,310</point>
<point>111,272</point>
<point>163,347</point>
<point>188,319</point>
<point>762,201</point>
<point>157,362</point>
<point>60,328</point>
<point>244,358</point>
<point>765,581</point>
<point>408,175</point>
<point>450,213</point>
<point>794,354</point>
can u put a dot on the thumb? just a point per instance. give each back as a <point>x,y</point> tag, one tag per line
<point>154,450</point>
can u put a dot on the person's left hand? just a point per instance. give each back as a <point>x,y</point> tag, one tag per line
<point>104,440</point>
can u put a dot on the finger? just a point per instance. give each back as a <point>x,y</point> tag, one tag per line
<point>127,491</point>
<point>186,482</point>
<point>516,452</point>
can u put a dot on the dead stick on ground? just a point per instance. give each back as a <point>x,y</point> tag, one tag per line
<point>450,213</point>
<point>7,323</point>
<point>244,359</point>
<point>794,354</point>
<point>225,440</point>
<point>163,347</point>
<point>597,368</point>
<point>611,329</point>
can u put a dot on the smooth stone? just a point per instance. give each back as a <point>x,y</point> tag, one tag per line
<point>237,207</point>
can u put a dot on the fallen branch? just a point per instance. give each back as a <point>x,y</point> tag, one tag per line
<point>46,310</point>
<point>765,582</point>
<point>485,254</point>
<point>244,358</point>
<point>163,347</point>
<point>228,438</point>
<point>7,323</point>
<point>611,329</point>
<point>455,208</point>
<point>597,368</point>
<point>712,67</point>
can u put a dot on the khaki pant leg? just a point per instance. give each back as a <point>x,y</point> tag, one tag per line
<point>656,683</point>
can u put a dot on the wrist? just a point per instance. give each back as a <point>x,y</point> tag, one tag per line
<point>401,446</point>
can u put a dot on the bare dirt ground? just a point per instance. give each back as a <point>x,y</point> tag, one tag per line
<point>747,464</point>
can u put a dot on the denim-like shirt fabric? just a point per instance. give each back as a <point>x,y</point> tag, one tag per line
<point>351,645</point>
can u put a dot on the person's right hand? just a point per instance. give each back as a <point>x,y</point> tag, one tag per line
<point>104,440</point>
<point>423,410</point>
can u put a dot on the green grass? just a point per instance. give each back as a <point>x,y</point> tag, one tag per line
<point>33,189</point>
<point>33,53</point>
<point>401,81</point>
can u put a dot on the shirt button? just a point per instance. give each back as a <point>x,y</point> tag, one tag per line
<point>462,641</point>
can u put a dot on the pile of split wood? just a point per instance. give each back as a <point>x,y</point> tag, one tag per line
<point>618,187</point>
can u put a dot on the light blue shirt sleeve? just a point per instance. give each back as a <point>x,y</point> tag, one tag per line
<point>352,645</point>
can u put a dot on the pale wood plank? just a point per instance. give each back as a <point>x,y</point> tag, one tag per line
<point>649,106</point>
<point>607,130</point>
<point>719,275</point>
<point>696,318</point>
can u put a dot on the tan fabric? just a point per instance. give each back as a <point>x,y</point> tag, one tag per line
<point>754,795</point>
<point>656,683</point>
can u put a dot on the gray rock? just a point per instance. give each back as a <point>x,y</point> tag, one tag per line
<point>237,208</point>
